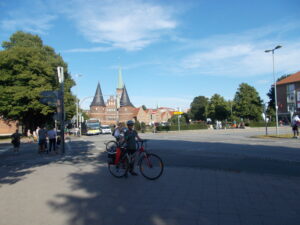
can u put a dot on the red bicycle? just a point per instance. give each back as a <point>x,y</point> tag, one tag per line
<point>119,160</point>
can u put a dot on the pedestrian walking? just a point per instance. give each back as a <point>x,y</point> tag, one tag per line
<point>42,135</point>
<point>52,139</point>
<point>295,125</point>
<point>29,136</point>
<point>35,138</point>
<point>16,140</point>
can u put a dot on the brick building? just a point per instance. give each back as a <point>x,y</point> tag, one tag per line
<point>7,128</point>
<point>288,96</point>
<point>119,108</point>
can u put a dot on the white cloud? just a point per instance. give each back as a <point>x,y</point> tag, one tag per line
<point>153,102</point>
<point>31,16</point>
<point>36,23</point>
<point>242,55</point>
<point>95,49</point>
<point>130,25</point>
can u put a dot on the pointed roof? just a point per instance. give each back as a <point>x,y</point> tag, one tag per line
<point>98,98</point>
<point>125,101</point>
<point>120,79</point>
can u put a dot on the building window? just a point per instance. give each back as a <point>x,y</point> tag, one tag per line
<point>291,97</point>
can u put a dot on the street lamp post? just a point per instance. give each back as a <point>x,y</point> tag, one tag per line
<point>77,100</point>
<point>275,90</point>
<point>60,73</point>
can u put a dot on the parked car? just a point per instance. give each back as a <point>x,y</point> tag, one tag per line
<point>105,129</point>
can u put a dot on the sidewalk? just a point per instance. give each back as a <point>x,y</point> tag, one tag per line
<point>64,194</point>
<point>77,189</point>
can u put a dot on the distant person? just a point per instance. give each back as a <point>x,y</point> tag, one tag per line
<point>118,132</point>
<point>16,140</point>
<point>29,136</point>
<point>35,138</point>
<point>295,125</point>
<point>52,139</point>
<point>42,134</point>
<point>37,133</point>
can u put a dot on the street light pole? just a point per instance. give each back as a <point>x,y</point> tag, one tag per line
<point>275,89</point>
<point>77,101</point>
<point>60,72</point>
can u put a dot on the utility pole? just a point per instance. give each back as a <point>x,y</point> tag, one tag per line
<point>60,72</point>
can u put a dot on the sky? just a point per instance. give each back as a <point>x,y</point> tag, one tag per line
<point>170,51</point>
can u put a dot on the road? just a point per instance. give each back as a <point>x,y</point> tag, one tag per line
<point>211,177</point>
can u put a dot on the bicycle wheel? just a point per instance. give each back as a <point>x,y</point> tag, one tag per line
<point>151,166</point>
<point>119,170</point>
<point>111,146</point>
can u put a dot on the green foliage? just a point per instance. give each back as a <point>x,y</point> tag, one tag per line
<point>137,125</point>
<point>218,108</point>
<point>143,127</point>
<point>27,68</point>
<point>174,119</point>
<point>174,127</point>
<point>199,108</point>
<point>261,124</point>
<point>271,103</point>
<point>247,103</point>
<point>283,77</point>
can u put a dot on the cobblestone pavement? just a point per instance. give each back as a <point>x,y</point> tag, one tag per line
<point>77,189</point>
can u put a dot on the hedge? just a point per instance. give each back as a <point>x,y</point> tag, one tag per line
<point>194,126</point>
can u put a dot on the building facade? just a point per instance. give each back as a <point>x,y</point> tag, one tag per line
<point>7,127</point>
<point>119,108</point>
<point>288,97</point>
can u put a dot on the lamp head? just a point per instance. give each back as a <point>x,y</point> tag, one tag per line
<point>278,46</point>
<point>266,51</point>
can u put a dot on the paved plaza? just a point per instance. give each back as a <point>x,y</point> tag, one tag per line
<point>211,177</point>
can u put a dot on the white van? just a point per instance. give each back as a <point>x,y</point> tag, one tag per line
<point>105,129</point>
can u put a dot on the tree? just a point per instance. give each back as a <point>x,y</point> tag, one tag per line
<point>218,108</point>
<point>144,107</point>
<point>247,103</point>
<point>174,119</point>
<point>271,103</point>
<point>199,108</point>
<point>27,68</point>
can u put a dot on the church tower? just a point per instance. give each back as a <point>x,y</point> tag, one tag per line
<point>120,87</point>
<point>127,110</point>
<point>97,107</point>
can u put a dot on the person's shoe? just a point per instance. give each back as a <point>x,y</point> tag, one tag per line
<point>133,173</point>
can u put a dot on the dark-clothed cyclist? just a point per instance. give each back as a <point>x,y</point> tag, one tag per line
<point>131,136</point>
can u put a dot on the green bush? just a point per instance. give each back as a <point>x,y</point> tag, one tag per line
<point>261,124</point>
<point>137,126</point>
<point>194,126</point>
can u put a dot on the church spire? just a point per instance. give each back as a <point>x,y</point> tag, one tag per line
<point>98,98</point>
<point>125,101</point>
<point>120,79</point>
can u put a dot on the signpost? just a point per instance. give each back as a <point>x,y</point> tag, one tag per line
<point>179,116</point>
<point>60,73</point>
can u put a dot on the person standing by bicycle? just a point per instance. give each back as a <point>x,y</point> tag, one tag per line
<point>131,136</point>
<point>118,132</point>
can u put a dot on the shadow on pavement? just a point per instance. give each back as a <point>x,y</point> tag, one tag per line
<point>135,200</point>
<point>15,166</point>
<point>257,159</point>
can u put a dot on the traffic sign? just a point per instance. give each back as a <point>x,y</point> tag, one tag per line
<point>49,98</point>
<point>49,101</point>
<point>178,113</point>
